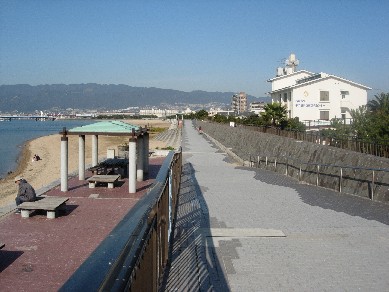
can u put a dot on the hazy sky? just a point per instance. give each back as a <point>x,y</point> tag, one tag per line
<point>192,45</point>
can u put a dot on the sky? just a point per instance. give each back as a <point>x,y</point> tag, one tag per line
<point>211,45</point>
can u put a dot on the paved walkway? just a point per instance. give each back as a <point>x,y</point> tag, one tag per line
<point>243,229</point>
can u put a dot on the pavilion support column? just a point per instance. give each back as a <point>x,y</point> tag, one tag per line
<point>95,150</point>
<point>81,157</point>
<point>132,165</point>
<point>146,150</point>
<point>140,159</point>
<point>64,163</point>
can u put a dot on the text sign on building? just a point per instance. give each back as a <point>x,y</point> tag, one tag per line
<point>303,103</point>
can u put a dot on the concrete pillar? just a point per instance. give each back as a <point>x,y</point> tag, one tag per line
<point>64,164</point>
<point>146,150</point>
<point>132,165</point>
<point>140,159</point>
<point>81,157</point>
<point>95,150</point>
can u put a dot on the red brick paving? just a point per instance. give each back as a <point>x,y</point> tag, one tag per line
<point>40,254</point>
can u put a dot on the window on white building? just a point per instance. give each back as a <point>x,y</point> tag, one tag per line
<point>343,112</point>
<point>344,93</point>
<point>285,99</point>
<point>324,115</point>
<point>324,96</point>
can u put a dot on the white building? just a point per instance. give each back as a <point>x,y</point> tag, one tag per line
<point>218,111</point>
<point>257,107</point>
<point>161,113</point>
<point>315,96</point>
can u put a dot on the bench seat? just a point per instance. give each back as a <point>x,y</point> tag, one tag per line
<point>49,204</point>
<point>110,179</point>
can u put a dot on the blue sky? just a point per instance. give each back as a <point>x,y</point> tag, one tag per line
<point>192,45</point>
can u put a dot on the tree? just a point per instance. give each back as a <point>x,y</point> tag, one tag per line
<point>379,117</point>
<point>274,114</point>
<point>361,126</point>
<point>201,114</point>
<point>295,125</point>
<point>380,104</point>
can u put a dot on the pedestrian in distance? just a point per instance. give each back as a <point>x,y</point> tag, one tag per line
<point>26,192</point>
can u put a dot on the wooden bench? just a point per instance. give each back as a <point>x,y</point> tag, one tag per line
<point>110,179</point>
<point>49,204</point>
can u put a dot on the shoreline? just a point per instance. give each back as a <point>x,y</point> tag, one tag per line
<point>47,170</point>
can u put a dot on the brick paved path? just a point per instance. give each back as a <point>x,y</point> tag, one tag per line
<point>332,242</point>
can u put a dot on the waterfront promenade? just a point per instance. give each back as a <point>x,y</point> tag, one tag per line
<point>244,229</point>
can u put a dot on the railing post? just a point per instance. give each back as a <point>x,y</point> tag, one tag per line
<point>266,160</point>
<point>286,166</point>
<point>340,179</point>
<point>275,163</point>
<point>258,162</point>
<point>317,174</point>
<point>372,186</point>
<point>300,173</point>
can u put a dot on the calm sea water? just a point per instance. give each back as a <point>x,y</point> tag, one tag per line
<point>13,134</point>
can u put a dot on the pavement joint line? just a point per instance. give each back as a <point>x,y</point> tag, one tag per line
<point>193,152</point>
<point>241,232</point>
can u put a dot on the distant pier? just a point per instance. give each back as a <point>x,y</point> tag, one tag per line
<point>37,118</point>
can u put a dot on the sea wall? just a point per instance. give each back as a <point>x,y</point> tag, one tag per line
<point>299,160</point>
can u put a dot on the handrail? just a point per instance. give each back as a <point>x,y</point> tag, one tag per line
<point>134,254</point>
<point>354,144</point>
<point>318,166</point>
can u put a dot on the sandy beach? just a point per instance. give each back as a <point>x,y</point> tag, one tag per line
<point>43,172</point>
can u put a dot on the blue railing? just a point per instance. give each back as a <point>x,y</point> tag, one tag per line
<point>134,255</point>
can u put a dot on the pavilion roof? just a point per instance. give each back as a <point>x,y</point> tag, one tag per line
<point>111,128</point>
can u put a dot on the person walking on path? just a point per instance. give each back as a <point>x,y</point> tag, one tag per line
<point>26,192</point>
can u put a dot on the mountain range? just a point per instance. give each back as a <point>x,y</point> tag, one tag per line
<point>28,98</point>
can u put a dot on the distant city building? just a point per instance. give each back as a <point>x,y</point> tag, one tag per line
<point>315,96</point>
<point>239,102</point>
<point>160,113</point>
<point>257,107</point>
<point>218,111</point>
<point>188,111</point>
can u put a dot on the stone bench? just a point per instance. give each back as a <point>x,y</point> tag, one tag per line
<point>49,204</point>
<point>110,179</point>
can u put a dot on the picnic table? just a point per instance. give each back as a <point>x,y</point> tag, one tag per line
<point>111,166</point>
<point>49,204</point>
<point>110,179</point>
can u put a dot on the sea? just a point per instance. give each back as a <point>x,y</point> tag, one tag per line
<point>14,134</point>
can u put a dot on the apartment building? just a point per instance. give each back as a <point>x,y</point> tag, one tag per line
<point>239,102</point>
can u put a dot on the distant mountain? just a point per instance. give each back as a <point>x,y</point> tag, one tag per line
<point>27,98</point>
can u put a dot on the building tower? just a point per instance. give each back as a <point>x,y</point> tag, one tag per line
<point>239,102</point>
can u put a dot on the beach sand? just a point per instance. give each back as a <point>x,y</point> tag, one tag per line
<point>43,172</point>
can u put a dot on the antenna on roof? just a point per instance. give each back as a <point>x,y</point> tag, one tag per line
<point>290,66</point>
<point>291,63</point>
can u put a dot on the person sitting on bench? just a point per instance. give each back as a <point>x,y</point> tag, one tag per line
<point>26,192</point>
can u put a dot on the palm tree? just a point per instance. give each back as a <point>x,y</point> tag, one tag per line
<point>380,104</point>
<point>275,113</point>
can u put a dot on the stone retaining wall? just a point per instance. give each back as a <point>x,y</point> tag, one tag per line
<point>289,155</point>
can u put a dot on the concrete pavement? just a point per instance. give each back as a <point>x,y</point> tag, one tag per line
<point>244,229</point>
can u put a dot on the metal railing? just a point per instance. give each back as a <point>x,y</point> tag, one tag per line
<point>134,255</point>
<point>357,145</point>
<point>313,172</point>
